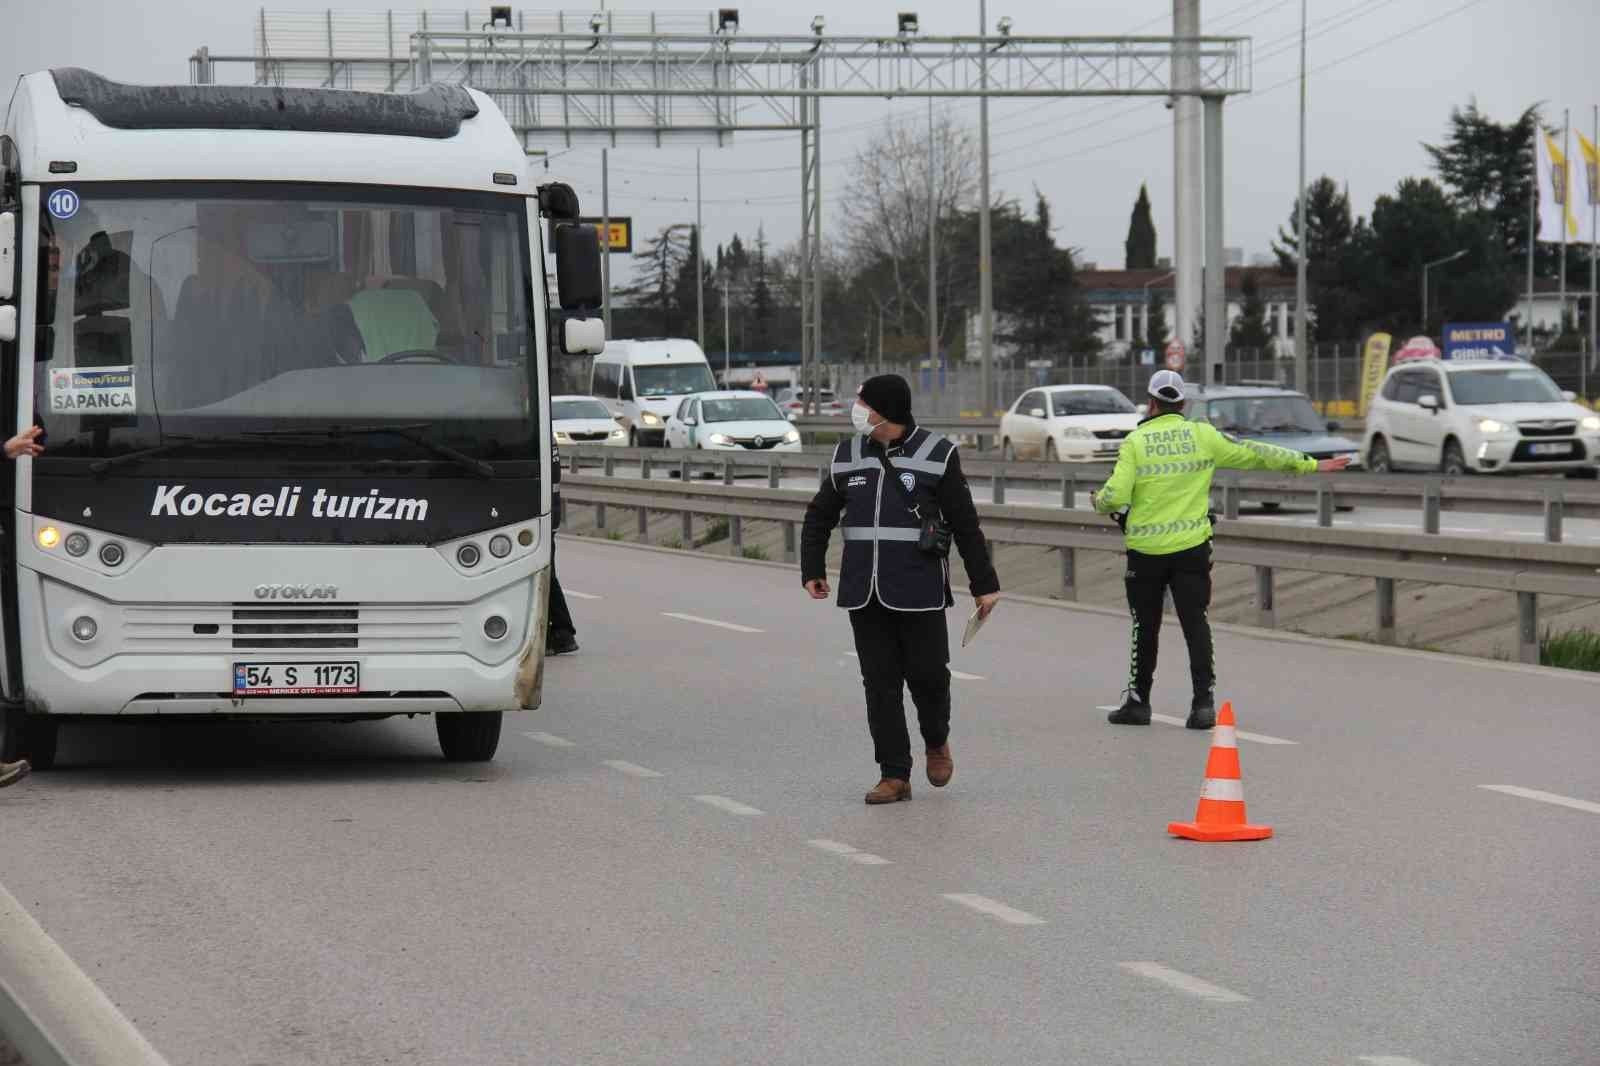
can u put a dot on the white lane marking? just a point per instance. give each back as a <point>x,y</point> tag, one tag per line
<point>575,594</point>
<point>1387,1060</point>
<point>711,622</point>
<point>550,740</point>
<point>1184,982</point>
<point>1545,797</point>
<point>1167,719</point>
<point>994,908</point>
<point>1259,738</point>
<point>834,847</point>
<point>631,769</point>
<point>723,803</point>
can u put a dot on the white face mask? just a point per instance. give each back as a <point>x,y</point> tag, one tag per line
<point>861,418</point>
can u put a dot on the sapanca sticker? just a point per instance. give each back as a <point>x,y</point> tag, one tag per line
<point>101,390</point>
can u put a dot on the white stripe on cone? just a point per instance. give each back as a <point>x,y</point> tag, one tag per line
<point>1222,788</point>
<point>1223,736</point>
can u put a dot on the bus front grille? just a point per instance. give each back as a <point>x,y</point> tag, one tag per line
<point>399,628</point>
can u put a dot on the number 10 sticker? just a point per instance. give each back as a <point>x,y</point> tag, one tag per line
<point>63,203</point>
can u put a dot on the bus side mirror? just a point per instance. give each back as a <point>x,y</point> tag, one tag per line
<point>580,289</point>
<point>578,280</point>
<point>583,336</point>
<point>8,254</point>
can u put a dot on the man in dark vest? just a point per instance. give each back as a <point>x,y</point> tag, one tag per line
<point>883,487</point>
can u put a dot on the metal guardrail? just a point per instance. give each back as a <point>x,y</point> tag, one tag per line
<point>1555,499</point>
<point>1385,557</point>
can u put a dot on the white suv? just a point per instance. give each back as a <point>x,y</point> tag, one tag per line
<point>1463,416</point>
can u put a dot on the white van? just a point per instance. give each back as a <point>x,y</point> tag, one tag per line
<point>644,381</point>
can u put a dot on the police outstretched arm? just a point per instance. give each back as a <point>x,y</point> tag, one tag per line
<point>1160,494</point>
<point>900,498</point>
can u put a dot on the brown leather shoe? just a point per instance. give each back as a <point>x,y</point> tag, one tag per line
<point>941,767</point>
<point>12,772</point>
<point>889,790</point>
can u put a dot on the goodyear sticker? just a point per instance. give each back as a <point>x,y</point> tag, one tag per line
<point>101,390</point>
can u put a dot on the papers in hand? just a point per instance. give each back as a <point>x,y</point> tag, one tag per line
<point>974,624</point>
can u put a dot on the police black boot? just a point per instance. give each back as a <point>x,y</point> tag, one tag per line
<point>1134,710</point>
<point>1202,713</point>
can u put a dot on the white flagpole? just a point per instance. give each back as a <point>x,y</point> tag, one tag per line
<point>1533,231</point>
<point>1566,206</point>
<point>1594,250</point>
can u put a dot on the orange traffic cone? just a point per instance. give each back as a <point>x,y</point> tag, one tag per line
<point>1220,815</point>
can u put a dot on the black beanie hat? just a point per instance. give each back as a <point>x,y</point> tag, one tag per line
<point>890,396</point>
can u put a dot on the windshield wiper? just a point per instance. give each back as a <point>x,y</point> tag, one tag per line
<point>171,444</point>
<point>404,432</point>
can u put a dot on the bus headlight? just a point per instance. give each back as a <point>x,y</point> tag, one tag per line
<point>499,545</point>
<point>84,629</point>
<point>112,553</point>
<point>468,555</point>
<point>495,627</point>
<point>77,544</point>
<point>49,537</point>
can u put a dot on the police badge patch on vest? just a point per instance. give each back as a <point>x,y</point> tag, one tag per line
<point>909,480</point>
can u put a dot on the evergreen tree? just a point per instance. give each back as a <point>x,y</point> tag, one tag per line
<point>1335,277</point>
<point>1487,167</point>
<point>1250,331</point>
<point>1155,335</point>
<point>1140,247</point>
<point>763,305</point>
<point>657,269</point>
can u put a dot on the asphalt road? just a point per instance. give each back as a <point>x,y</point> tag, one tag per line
<point>671,863</point>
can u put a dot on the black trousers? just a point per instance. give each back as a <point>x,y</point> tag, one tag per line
<point>1188,575</point>
<point>560,618</point>
<point>899,650</point>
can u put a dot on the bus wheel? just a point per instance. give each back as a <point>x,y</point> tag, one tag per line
<point>28,736</point>
<point>469,736</point>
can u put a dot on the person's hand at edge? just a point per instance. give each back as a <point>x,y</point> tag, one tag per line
<point>987,603</point>
<point>818,588</point>
<point>25,443</point>
<point>1332,466</point>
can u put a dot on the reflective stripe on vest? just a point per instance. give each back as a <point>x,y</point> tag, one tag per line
<point>883,533</point>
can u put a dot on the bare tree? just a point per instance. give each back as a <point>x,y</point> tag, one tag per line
<point>884,238</point>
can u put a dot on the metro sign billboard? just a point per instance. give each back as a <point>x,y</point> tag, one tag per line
<point>1479,340</point>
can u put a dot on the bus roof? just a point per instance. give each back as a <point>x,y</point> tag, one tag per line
<point>95,129</point>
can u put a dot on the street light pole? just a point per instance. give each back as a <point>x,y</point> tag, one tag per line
<point>1302,369</point>
<point>933,263</point>
<point>985,266</point>
<point>699,261</point>
<point>1451,258</point>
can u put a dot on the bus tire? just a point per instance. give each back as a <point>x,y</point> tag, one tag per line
<point>469,736</point>
<point>28,736</point>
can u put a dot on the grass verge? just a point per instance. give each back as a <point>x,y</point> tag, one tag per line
<point>1576,649</point>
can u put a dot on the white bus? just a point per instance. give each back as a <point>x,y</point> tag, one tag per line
<point>289,351</point>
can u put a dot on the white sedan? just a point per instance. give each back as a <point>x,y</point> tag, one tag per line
<point>731,421</point>
<point>585,420</point>
<point>1075,423</point>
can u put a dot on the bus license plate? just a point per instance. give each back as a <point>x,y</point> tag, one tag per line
<point>1563,448</point>
<point>296,679</point>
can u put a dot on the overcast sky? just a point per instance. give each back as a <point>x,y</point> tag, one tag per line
<point>1383,93</point>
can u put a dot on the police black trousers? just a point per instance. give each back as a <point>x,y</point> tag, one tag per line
<point>1188,575</point>
<point>560,617</point>
<point>900,650</point>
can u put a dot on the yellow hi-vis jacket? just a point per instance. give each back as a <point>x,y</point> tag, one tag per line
<point>1163,475</point>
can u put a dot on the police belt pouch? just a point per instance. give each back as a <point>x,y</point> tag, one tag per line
<point>933,532</point>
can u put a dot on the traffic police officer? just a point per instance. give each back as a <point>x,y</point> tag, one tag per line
<point>892,579</point>
<point>1160,493</point>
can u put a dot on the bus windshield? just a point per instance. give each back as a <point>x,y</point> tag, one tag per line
<point>175,312</point>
